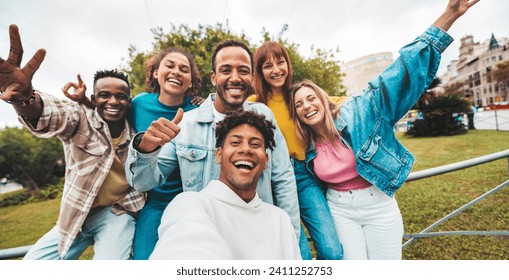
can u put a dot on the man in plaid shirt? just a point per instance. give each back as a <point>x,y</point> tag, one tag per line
<point>97,205</point>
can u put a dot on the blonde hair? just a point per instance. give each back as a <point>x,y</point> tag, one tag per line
<point>304,133</point>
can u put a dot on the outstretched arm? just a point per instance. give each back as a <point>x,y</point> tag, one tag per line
<point>455,9</point>
<point>78,94</point>
<point>16,82</point>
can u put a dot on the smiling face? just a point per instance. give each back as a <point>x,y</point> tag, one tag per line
<point>242,158</point>
<point>275,72</point>
<point>112,99</point>
<point>232,78</point>
<point>174,76</point>
<point>310,110</point>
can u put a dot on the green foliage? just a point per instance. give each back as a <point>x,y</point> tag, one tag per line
<point>28,160</point>
<point>200,42</point>
<point>441,116</point>
<point>24,196</point>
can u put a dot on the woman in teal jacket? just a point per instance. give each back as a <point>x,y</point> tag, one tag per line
<point>355,153</point>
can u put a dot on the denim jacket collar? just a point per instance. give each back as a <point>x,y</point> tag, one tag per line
<point>206,114</point>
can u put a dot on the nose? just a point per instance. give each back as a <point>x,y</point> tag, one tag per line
<point>113,100</point>
<point>176,72</point>
<point>235,76</point>
<point>245,149</point>
<point>305,105</point>
<point>276,68</point>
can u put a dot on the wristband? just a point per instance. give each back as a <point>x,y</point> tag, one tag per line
<point>30,100</point>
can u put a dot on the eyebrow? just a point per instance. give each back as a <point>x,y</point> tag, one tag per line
<point>250,138</point>
<point>173,61</point>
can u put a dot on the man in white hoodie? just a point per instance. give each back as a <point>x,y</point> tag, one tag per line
<point>227,219</point>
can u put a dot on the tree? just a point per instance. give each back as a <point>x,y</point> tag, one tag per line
<point>429,95</point>
<point>441,116</point>
<point>28,160</point>
<point>200,42</point>
<point>501,76</point>
<point>454,88</point>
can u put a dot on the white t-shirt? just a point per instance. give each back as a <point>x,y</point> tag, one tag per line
<point>216,224</point>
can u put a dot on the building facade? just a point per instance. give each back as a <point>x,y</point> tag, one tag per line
<point>360,71</point>
<point>473,70</point>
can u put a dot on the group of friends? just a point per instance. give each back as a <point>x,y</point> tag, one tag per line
<point>237,175</point>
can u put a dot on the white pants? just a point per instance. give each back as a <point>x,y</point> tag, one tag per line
<point>368,223</point>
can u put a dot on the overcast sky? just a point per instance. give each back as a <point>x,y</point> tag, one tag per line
<point>83,36</point>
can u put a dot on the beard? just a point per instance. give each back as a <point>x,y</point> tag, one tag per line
<point>233,104</point>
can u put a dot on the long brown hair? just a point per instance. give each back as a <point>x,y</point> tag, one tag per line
<point>304,132</point>
<point>262,88</point>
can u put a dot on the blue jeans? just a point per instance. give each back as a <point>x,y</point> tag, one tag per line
<point>316,215</point>
<point>111,235</point>
<point>145,235</point>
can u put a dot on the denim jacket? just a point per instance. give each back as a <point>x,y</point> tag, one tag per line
<point>366,122</point>
<point>193,149</point>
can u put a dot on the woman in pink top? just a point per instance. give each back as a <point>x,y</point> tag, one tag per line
<point>355,152</point>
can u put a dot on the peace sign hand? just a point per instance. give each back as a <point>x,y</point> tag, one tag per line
<point>16,82</point>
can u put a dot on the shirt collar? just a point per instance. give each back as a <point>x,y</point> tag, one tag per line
<point>222,192</point>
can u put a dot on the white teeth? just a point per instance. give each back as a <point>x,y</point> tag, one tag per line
<point>277,77</point>
<point>311,114</point>
<point>235,90</point>
<point>111,110</point>
<point>241,163</point>
<point>175,81</point>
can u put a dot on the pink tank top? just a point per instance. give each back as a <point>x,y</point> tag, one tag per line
<point>336,167</point>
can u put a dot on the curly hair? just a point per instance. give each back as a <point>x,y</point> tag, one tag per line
<point>236,118</point>
<point>152,64</point>
<point>111,73</point>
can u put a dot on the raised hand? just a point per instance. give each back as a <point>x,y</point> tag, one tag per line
<point>16,82</point>
<point>78,95</point>
<point>160,132</point>
<point>79,90</point>
<point>455,9</point>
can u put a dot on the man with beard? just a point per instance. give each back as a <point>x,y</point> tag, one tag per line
<point>189,140</point>
<point>227,220</point>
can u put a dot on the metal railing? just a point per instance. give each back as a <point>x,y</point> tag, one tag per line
<point>21,251</point>
<point>450,168</point>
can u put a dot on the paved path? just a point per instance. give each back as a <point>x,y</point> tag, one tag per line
<point>9,187</point>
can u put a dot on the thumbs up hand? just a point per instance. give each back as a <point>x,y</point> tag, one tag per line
<point>160,132</point>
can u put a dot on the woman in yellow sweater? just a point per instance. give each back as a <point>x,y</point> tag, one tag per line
<point>272,81</point>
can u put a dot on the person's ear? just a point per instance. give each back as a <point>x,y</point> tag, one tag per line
<point>213,78</point>
<point>92,99</point>
<point>266,160</point>
<point>219,152</point>
<point>155,74</point>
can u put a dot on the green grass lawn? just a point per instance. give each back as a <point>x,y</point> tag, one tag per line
<point>425,201</point>
<point>422,202</point>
